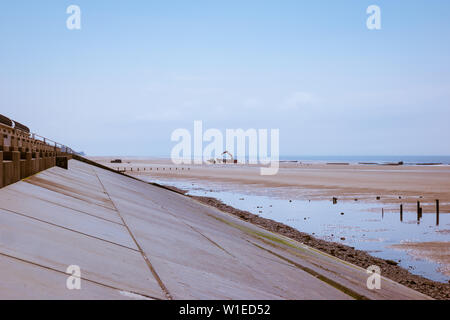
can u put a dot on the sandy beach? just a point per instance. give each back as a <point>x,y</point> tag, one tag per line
<point>393,184</point>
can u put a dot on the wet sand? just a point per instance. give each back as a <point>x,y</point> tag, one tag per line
<point>435,251</point>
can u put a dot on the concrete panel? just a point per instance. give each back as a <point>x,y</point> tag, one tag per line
<point>73,188</point>
<point>30,191</point>
<point>57,248</point>
<point>23,280</point>
<point>66,218</point>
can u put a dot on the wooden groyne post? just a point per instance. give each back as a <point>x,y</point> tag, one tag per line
<point>437,212</point>
<point>419,212</point>
<point>401,213</point>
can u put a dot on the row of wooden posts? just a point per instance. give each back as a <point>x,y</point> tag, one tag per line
<point>419,210</point>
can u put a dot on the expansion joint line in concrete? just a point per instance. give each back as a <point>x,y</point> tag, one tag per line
<point>82,278</point>
<point>147,261</point>
<point>76,210</point>
<point>315,274</point>
<point>194,229</point>
<point>69,195</point>
<point>65,228</point>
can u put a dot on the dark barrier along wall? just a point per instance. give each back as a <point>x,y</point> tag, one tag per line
<point>5,120</point>
<point>23,154</point>
<point>18,125</point>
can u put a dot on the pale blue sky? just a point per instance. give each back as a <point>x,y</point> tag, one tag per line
<point>137,70</point>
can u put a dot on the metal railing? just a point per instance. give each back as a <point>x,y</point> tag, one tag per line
<point>52,143</point>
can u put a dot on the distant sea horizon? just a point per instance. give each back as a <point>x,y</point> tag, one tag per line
<point>407,160</point>
<point>411,159</point>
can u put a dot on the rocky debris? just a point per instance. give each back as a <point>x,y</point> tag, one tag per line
<point>392,263</point>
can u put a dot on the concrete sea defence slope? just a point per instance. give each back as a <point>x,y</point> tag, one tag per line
<point>136,240</point>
